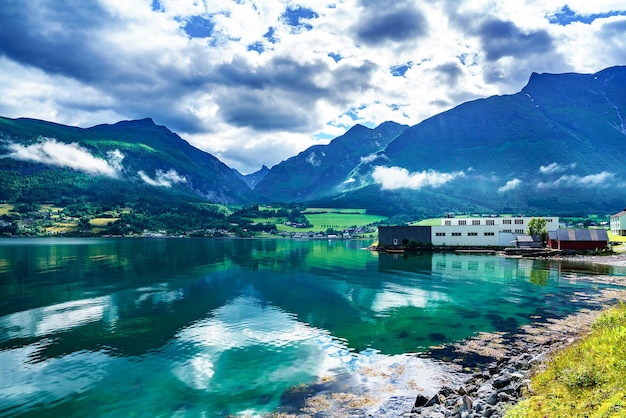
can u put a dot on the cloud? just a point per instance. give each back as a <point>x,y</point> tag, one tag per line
<point>603,179</point>
<point>390,21</point>
<point>283,74</point>
<point>556,168</point>
<point>371,158</point>
<point>163,178</point>
<point>392,178</point>
<point>504,39</point>
<point>510,185</point>
<point>50,151</point>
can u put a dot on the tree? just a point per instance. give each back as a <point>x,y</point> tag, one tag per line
<point>537,226</point>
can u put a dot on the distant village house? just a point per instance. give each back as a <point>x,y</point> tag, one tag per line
<point>618,223</point>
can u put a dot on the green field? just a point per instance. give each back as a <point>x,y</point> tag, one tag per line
<point>334,210</point>
<point>341,221</point>
<point>326,218</point>
<point>5,208</point>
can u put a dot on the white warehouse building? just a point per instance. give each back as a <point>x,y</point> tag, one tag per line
<point>484,231</point>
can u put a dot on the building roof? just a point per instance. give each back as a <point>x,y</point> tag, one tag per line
<point>620,214</point>
<point>528,238</point>
<point>582,234</point>
<point>552,235</point>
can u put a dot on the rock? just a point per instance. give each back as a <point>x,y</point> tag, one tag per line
<point>501,382</point>
<point>435,400</point>
<point>508,389</point>
<point>446,391</point>
<point>492,399</point>
<point>420,401</point>
<point>504,397</point>
<point>465,404</point>
<point>489,411</point>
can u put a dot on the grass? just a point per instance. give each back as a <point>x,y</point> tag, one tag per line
<point>616,238</point>
<point>427,222</point>
<point>5,208</point>
<point>325,218</point>
<point>334,210</point>
<point>587,378</point>
<point>340,221</point>
<point>62,228</point>
<point>49,208</point>
<point>621,247</point>
<point>102,222</point>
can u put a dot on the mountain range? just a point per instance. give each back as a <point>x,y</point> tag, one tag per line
<point>43,161</point>
<point>557,146</point>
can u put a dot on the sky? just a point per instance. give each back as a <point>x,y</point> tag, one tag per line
<point>254,82</point>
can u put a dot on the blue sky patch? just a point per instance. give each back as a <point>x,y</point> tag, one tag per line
<point>257,46</point>
<point>400,70</point>
<point>294,17</point>
<point>335,56</point>
<point>199,27</point>
<point>269,35</point>
<point>566,16</point>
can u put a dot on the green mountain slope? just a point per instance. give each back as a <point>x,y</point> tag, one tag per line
<point>324,170</point>
<point>130,160</point>
<point>559,145</point>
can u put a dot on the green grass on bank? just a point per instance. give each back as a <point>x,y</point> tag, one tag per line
<point>323,219</point>
<point>585,379</point>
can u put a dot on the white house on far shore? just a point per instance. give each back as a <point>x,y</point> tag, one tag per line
<point>618,223</point>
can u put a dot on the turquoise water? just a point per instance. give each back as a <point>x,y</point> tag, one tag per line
<point>186,327</point>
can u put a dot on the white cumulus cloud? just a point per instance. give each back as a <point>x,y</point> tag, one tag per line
<point>369,158</point>
<point>556,168</point>
<point>603,179</point>
<point>52,152</point>
<point>163,178</point>
<point>392,178</point>
<point>510,185</point>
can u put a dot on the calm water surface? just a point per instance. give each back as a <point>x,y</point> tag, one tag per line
<point>185,327</point>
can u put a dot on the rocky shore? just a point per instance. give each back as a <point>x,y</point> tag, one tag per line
<point>496,367</point>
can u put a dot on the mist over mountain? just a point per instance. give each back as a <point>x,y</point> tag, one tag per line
<point>45,162</point>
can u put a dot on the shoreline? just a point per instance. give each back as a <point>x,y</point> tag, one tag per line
<point>496,367</point>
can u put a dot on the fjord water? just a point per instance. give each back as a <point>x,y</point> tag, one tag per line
<point>194,327</point>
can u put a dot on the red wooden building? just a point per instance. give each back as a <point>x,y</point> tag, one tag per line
<point>578,239</point>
